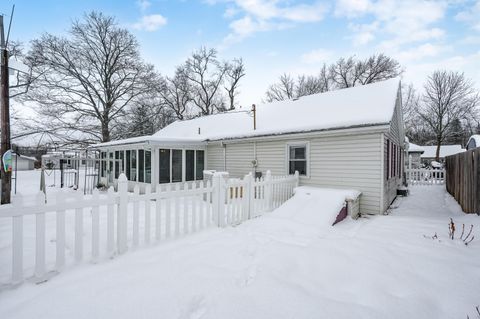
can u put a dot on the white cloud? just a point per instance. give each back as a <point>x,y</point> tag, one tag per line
<point>317,56</point>
<point>471,16</point>
<point>401,21</point>
<point>150,22</point>
<point>143,4</point>
<point>420,52</point>
<point>266,15</point>
<point>352,8</point>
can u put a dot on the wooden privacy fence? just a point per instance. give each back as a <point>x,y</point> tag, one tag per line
<point>463,179</point>
<point>425,176</point>
<point>76,228</point>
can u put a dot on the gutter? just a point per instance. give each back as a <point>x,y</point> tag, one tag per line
<point>348,130</point>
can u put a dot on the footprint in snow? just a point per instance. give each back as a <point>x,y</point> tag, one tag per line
<point>196,308</point>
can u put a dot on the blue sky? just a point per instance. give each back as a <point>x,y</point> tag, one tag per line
<point>274,36</point>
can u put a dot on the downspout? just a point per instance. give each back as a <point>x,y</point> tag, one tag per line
<point>224,156</point>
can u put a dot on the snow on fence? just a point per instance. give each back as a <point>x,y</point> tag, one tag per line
<point>75,228</point>
<point>424,176</point>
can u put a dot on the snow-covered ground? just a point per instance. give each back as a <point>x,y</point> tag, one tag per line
<point>287,264</point>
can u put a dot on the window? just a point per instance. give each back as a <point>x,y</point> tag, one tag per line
<point>133,165</point>
<point>388,159</point>
<point>189,165</point>
<point>117,163</point>
<point>141,166</point>
<point>200,164</point>
<point>297,159</point>
<point>148,167</point>
<point>164,166</point>
<point>176,166</point>
<point>110,167</point>
<point>103,157</point>
<point>127,163</point>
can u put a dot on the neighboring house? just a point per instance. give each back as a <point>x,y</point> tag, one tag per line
<point>414,152</point>
<point>430,152</point>
<point>23,163</point>
<point>473,142</point>
<point>350,138</point>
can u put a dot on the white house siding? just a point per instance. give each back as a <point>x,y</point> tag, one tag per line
<point>344,161</point>
<point>396,135</point>
<point>214,157</point>
<point>239,159</point>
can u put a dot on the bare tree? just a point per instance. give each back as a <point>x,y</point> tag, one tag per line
<point>410,105</point>
<point>284,89</point>
<point>85,82</point>
<point>344,73</point>
<point>378,68</point>
<point>176,93</point>
<point>205,74</point>
<point>449,97</point>
<point>146,117</point>
<point>235,71</point>
<point>351,71</point>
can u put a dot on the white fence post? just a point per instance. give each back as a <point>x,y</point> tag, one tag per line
<point>268,190</point>
<point>40,239</point>
<point>122,214</point>
<point>297,178</point>
<point>17,242</point>
<point>218,199</point>
<point>248,194</point>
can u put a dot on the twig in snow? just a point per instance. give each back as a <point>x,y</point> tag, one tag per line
<point>469,233</point>
<point>468,242</point>
<point>463,230</point>
<point>451,229</point>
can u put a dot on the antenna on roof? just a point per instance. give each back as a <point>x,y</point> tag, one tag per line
<point>254,110</point>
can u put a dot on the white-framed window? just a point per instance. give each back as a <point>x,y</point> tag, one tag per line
<point>298,158</point>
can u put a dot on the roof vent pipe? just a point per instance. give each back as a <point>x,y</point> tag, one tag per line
<point>254,110</point>
<point>199,130</point>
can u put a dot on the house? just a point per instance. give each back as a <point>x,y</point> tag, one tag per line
<point>414,155</point>
<point>430,152</point>
<point>22,163</point>
<point>350,138</point>
<point>473,142</point>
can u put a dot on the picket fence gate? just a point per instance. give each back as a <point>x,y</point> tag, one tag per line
<point>424,176</point>
<point>121,220</point>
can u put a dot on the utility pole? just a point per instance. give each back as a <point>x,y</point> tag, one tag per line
<point>6,176</point>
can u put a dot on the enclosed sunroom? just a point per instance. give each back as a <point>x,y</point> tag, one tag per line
<point>149,160</point>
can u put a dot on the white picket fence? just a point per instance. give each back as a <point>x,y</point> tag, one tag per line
<point>424,176</point>
<point>100,226</point>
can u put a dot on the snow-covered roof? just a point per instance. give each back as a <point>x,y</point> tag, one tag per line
<point>414,148</point>
<point>26,157</point>
<point>367,105</point>
<point>445,150</point>
<point>476,138</point>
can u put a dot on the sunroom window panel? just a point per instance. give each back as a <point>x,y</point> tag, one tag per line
<point>176,166</point>
<point>148,167</point>
<point>133,165</point>
<point>128,158</point>
<point>164,166</point>
<point>190,165</point>
<point>117,163</point>
<point>200,158</point>
<point>141,166</point>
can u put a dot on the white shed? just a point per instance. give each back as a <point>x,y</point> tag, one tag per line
<point>24,163</point>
